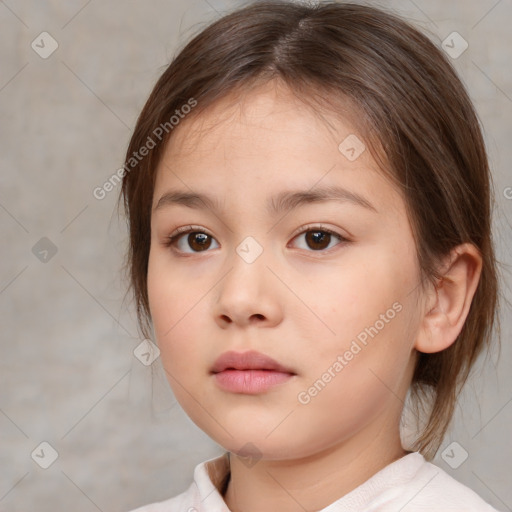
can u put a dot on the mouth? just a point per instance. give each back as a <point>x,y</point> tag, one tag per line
<point>250,360</point>
<point>249,372</point>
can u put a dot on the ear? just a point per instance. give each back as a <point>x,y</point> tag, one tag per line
<point>446,310</point>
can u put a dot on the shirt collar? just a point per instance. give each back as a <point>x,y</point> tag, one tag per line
<point>211,478</point>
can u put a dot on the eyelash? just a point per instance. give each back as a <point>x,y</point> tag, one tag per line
<point>172,239</point>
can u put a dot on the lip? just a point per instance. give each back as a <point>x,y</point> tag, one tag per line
<point>250,360</point>
<point>249,372</point>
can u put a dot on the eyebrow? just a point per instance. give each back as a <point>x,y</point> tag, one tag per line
<point>281,202</point>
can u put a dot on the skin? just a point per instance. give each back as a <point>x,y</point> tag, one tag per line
<point>302,307</point>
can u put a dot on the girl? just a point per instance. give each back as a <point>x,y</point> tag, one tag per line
<point>308,197</point>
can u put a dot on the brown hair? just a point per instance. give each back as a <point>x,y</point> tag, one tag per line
<point>418,121</point>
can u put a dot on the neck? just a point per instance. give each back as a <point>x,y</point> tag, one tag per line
<point>312,482</point>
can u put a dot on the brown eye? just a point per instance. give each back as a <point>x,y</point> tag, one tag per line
<point>318,240</point>
<point>199,241</point>
<point>189,240</point>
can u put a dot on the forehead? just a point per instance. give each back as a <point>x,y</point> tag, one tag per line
<point>263,141</point>
<point>268,111</point>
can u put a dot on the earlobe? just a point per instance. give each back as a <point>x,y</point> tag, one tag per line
<point>446,310</point>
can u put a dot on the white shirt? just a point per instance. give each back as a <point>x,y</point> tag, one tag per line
<point>410,484</point>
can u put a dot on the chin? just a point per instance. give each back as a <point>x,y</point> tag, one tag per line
<point>254,445</point>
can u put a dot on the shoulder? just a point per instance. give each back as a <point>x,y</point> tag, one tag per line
<point>203,493</point>
<point>431,488</point>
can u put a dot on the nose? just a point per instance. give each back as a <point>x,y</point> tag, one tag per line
<point>248,295</point>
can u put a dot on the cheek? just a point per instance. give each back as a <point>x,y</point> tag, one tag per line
<point>351,382</point>
<point>168,293</point>
<point>367,314</point>
<point>349,303</point>
<point>168,304</point>
<point>178,306</point>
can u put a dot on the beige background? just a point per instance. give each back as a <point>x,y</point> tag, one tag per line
<point>68,375</point>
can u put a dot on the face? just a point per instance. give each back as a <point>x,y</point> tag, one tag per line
<point>327,288</point>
